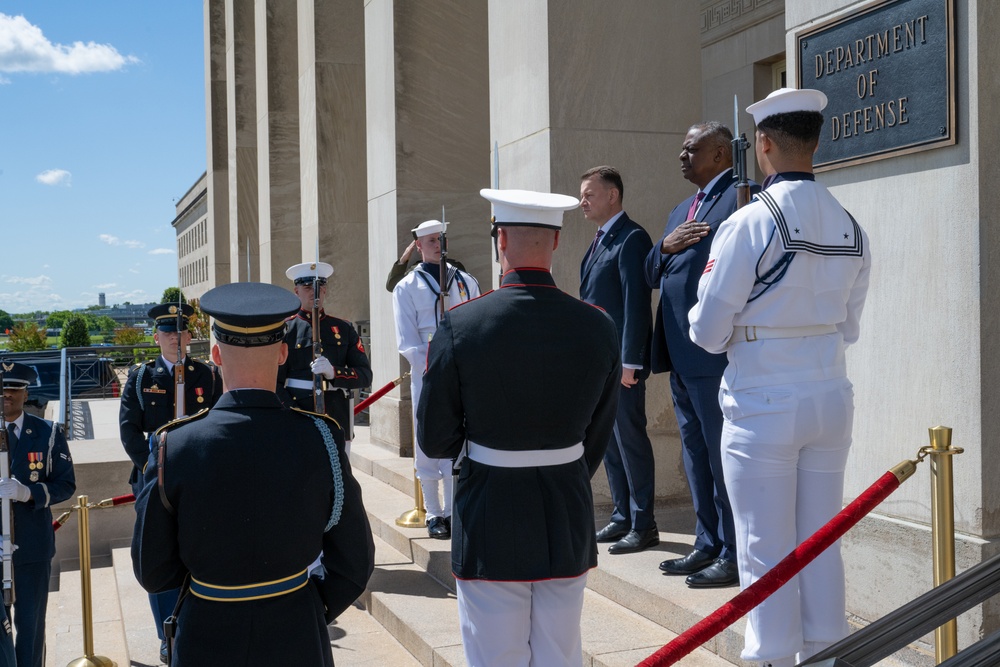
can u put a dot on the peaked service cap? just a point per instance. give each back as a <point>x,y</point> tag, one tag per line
<point>306,272</point>
<point>249,314</point>
<point>526,208</point>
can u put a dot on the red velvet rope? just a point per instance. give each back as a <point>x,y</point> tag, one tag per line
<point>110,502</point>
<point>374,397</point>
<point>775,578</point>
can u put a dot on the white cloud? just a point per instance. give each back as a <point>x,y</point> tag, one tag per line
<point>55,177</point>
<point>34,281</point>
<point>161,251</point>
<point>23,48</point>
<point>106,286</point>
<point>115,241</point>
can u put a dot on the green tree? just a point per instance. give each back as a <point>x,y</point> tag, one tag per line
<point>6,321</point>
<point>57,319</point>
<point>171,294</point>
<point>106,325</point>
<point>25,337</point>
<point>129,336</point>
<point>198,322</point>
<point>74,333</point>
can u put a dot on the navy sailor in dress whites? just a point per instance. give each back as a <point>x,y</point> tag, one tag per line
<point>530,377</point>
<point>41,476</point>
<point>243,498</point>
<point>148,402</point>
<point>344,364</point>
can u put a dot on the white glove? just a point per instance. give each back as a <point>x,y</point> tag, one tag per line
<point>322,366</point>
<point>13,489</point>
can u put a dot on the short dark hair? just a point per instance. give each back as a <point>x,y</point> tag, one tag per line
<point>610,176</point>
<point>794,131</point>
<point>718,134</point>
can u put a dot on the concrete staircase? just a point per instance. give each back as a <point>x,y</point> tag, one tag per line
<point>409,614</point>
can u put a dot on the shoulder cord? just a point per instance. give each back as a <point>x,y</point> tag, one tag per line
<point>338,474</point>
<point>138,386</point>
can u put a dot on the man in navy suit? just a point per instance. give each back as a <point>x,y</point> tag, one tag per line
<point>611,276</point>
<point>675,265</point>
<point>41,475</point>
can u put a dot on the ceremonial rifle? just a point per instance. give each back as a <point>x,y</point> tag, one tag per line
<point>443,283</point>
<point>319,396</point>
<point>7,512</point>
<point>740,146</point>
<point>180,404</point>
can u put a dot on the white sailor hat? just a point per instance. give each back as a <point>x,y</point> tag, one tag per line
<point>524,208</point>
<point>306,272</point>
<point>786,100</point>
<point>427,228</point>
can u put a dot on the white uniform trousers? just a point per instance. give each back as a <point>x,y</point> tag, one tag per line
<point>784,452</point>
<point>435,475</point>
<point>522,624</point>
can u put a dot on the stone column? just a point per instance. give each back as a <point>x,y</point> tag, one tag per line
<point>427,93</point>
<point>241,100</point>
<point>331,79</point>
<point>217,159</point>
<point>279,208</point>
<point>585,83</point>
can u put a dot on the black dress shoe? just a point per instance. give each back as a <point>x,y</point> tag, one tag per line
<point>719,574</point>
<point>437,527</point>
<point>695,561</point>
<point>163,651</point>
<point>612,532</point>
<point>636,540</point>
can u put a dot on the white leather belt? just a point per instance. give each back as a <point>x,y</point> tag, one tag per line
<point>750,334</point>
<point>533,458</point>
<point>298,384</point>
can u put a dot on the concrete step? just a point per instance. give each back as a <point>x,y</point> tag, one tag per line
<point>630,609</point>
<point>64,625</point>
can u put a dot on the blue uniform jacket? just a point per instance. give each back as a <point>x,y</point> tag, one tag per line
<point>41,461</point>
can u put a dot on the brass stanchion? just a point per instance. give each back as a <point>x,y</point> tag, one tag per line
<point>943,529</point>
<point>417,517</point>
<point>88,659</point>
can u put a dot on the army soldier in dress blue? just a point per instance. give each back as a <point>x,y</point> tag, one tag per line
<point>241,500</point>
<point>344,364</point>
<point>540,376</point>
<point>148,402</point>
<point>41,476</point>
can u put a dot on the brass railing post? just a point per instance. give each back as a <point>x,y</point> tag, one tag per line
<point>88,659</point>
<point>943,529</point>
<point>417,517</point>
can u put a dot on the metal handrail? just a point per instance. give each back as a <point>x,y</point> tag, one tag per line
<point>915,619</point>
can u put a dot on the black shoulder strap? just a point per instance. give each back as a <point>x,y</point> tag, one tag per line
<point>161,463</point>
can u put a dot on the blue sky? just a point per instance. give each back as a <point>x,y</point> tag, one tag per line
<point>102,129</point>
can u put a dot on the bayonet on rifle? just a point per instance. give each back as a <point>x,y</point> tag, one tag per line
<point>6,513</point>
<point>740,146</point>
<point>180,402</point>
<point>319,395</point>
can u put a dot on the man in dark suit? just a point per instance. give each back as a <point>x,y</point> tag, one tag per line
<point>253,585</point>
<point>41,475</point>
<point>611,277</point>
<point>675,265</point>
<point>537,422</point>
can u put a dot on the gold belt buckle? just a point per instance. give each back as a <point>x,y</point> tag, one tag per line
<point>746,334</point>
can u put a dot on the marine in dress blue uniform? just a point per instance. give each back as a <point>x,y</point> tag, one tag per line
<point>504,373</point>
<point>346,366</point>
<point>41,476</point>
<point>241,500</point>
<point>782,296</point>
<point>148,402</point>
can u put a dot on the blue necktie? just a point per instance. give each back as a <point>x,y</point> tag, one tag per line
<point>11,436</point>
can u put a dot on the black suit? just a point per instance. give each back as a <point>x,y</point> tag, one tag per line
<point>611,277</point>
<point>695,374</point>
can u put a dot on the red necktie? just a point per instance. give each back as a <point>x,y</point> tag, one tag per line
<point>694,204</point>
<point>593,246</point>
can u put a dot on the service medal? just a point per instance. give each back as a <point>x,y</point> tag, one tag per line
<point>33,476</point>
<point>199,391</point>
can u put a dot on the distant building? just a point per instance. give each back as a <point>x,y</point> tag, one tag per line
<point>101,301</point>
<point>191,228</point>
